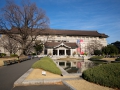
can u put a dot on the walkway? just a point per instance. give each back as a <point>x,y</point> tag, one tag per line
<point>9,74</point>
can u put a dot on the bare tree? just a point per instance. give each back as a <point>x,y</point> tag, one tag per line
<point>94,45</point>
<point>9,44</point>
<point>23,23</point>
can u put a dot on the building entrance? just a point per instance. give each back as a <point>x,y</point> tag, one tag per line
<point>61,52</point>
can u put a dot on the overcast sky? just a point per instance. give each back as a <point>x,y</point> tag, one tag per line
<point>100,15</point>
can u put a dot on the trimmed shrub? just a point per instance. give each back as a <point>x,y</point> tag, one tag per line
<point>106,75</point>
<point>47,64</point>
<point>2,54</point>
<point>117,59</point>
<point>13,55</point>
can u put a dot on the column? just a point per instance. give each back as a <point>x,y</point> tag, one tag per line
<point>65,63</point>
<point>58,52</point>
<point>47,51</point>
<point>65,52</point>
<point>71,64</point>
<point>71,52</point>
<point>52,52</point>
<point>43,50</point>
<point>58,63</point>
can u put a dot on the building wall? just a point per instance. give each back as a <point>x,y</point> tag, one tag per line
<point>86,40</point>
<point>57,38</point>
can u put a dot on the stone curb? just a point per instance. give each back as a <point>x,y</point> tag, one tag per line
<point>68,85</point>
<point>40,81</point>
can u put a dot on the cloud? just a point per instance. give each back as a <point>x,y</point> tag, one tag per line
<point>109,25</point>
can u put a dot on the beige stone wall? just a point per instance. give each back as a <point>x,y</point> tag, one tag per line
<point>73,39</point>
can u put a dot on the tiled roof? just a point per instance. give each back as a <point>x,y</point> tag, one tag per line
<point>66,32</point>
<point>54,44</point>
<point>73,33</point>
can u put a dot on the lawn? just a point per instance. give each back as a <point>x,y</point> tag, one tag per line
<point>68,59</point>
<point>47,64</point>
<point>100,60</point>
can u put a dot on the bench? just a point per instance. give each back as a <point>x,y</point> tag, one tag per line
<point>9,62</point>
<point>6,62</point>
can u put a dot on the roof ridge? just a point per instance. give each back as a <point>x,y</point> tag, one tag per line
<point>72,30</point>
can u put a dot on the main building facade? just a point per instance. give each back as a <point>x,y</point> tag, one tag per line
<point>68,42</point>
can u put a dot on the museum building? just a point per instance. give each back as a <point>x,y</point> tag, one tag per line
<point>68,42</point>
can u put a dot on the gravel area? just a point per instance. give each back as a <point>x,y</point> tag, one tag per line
<point>85,85</point>
<point>37,74</point>
<point>109,59</point>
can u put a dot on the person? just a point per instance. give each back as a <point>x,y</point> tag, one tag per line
<point>29,56</point>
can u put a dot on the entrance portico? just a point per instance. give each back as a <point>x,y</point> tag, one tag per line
<point>60,49</point>
<point>60,52</point>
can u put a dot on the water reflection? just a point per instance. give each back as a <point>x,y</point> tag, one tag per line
<point>74,66</point>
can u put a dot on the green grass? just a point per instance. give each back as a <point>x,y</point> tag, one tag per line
<point>47,64</point>
<point>96,58</point>
<point>106,75</point>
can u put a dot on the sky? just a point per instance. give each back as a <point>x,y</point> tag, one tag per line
<point>99,15</point>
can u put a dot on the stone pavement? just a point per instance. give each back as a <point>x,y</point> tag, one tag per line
<point>22,81</point>
<point>9,74</point>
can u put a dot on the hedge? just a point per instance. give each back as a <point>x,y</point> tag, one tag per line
<point>47,64</point>
<point>13,55</point>
<point>2,54</point>
<point>106,75</point>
